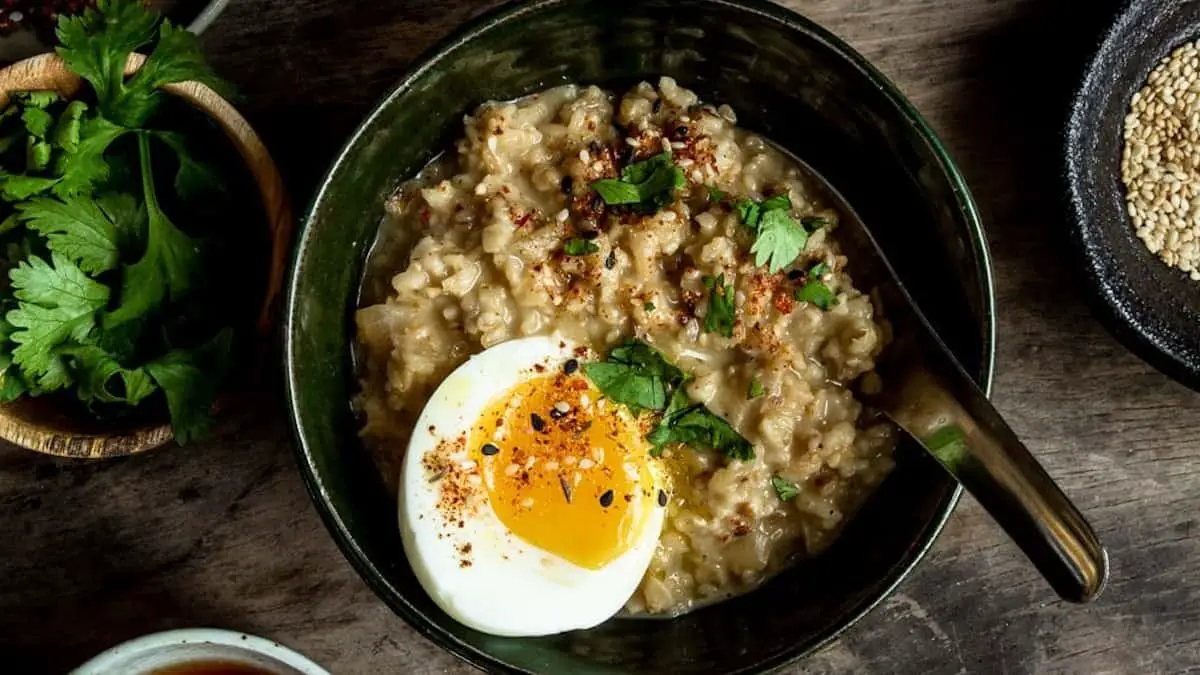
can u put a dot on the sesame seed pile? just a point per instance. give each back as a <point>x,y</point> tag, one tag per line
<point>1161,162</point>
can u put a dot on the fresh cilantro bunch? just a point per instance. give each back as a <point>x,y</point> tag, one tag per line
<point>102,285</point>
<point>637,376</point>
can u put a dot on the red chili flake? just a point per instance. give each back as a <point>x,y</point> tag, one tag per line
<point>539,368</point>
<point>425,215</point>
<point>524,219</point>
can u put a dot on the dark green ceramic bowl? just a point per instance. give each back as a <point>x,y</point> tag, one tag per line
<point>788,79</point>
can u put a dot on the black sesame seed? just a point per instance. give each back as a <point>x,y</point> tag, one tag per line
<point>611,261</point>
<point>567,183</point>
<point>662,498</point>
<point>606,499</point>
<point>556,415</point>
<point>566,488</point>
<point>570,366</point>
<point>538,423</point>
<point>590,234</point>
<point>488,449</point>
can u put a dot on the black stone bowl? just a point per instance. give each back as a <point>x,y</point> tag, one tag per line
<point>1153,309</point>
<point>788,79</point>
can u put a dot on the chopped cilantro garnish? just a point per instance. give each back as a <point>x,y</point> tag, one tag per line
<point>756,389</point>
<point>715,194</point>
<point>818,270</point>
<point>816,293</point>
<point>948,444</point>
<point>784,489</point>
<point>779,240</point>
<point>648,306</point>
<point>695,425</point>
<point>647,185</point>
<point>721,313</point>
<point>577,246</point>
<point>813,223</point>
<point>636,375</point>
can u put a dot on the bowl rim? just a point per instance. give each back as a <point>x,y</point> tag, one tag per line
<point>1132,326</point>
<point>468,31</point>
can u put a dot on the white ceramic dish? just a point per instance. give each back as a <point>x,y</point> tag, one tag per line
<point>151,653</point>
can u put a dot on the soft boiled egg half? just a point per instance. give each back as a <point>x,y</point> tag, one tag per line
<point>529,505</point>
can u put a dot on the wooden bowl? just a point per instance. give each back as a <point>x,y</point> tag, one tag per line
<point>36,423</point>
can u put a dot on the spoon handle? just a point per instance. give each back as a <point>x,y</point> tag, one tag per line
<point>958,425</point>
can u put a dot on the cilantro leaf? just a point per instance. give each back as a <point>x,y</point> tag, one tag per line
<point>721,314</point>
<point>695,425</point>
<point>816,293</point>
<point>169,267</point>
<point>127,216</point>
<point>78,229</point>
<point>784,489</point>
<point>190,380</point>
<point>80,170</point>
<point>37,121</point>
<point>57,303</point>
<point>96,45</point>
<point>177,58</point>
<point>813,223</point>
<point>649,184</point>
<point>613,192</point>
<point>750,213</point>
<point>68,128</point>
<point>635,375</point>
<point>715,194</point>
<point>779,242</point>
<point>14,187</point>
<point>756,389</point>
<point>102,380</point>
<point>194,179</point>
<point>818,270</point>
<point>578,246</point>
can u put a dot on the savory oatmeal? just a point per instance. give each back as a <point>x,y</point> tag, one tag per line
<point>650,217</point>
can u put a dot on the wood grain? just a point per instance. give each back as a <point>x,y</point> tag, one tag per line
<point>41,424</point>
<point>224,534</point>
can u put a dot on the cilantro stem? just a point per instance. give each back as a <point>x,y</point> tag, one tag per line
<point>147,175</point>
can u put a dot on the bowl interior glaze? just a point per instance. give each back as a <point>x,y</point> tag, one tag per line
<point>787,79</point>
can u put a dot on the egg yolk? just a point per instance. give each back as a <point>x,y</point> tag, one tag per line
<point>565,470</point>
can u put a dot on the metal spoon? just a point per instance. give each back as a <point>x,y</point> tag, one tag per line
<point>929,395</point>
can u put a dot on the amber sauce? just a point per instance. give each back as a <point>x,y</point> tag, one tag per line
<point>213,668</point>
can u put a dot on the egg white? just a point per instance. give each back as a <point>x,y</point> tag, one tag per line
<point>510,588</point>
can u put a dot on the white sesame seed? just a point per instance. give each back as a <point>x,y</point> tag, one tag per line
<point>585,156</point>
<point>586,463</point>
<point>551,465</point>
<point>527,503</point>
<point>1160,165</point>
<point>530,462</point>
<point>570,460</point>
<point>562,407</point>
<point>585,400</point>
<point>511,470</point>
<point>563,215</point>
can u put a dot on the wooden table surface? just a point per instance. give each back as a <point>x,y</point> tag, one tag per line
<point>223,534</point>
